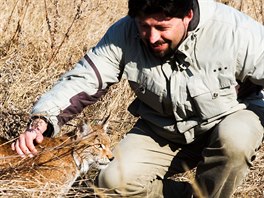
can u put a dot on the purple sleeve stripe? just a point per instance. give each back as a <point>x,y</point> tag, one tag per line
<point>100,82</point>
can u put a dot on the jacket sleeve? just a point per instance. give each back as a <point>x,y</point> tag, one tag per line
<point>250,64</point>
<point>84,84</point>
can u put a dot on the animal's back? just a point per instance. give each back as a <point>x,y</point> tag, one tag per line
<point>59,160</point>
<point>52,166</point>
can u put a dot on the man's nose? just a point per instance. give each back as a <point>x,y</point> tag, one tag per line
<point>154,35</point>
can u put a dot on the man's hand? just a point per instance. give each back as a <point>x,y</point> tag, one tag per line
<point>24,145</point>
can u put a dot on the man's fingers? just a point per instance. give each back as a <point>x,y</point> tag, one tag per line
<point>13,146</point>
<point>24,145</point>
<point>29,145</point>
<point>18,150</point>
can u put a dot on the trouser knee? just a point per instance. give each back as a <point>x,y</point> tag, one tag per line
<point>121,182</point>
<point>108,178</point>
<point>239,154</point>
<point>240,139</point>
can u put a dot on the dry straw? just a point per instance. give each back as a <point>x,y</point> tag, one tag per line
<point>40,40</point>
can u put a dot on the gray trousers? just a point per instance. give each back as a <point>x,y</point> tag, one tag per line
<point>143,162</point>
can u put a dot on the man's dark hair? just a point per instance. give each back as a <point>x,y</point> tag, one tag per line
<point>171,8</point>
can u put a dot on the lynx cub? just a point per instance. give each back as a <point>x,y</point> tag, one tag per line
<point>59,161</point>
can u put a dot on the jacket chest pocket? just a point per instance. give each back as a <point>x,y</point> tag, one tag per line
<point>147,89</point>
<point>211,101</point>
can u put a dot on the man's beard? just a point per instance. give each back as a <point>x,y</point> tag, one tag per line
<point>165,53</point>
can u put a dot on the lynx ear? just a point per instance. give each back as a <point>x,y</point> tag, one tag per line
<point>105,123</point>
<point>105,126</point>
<point>84,129</point>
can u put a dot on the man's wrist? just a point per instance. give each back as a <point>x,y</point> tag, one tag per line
<point>38,124</point>
<point>49,128</point>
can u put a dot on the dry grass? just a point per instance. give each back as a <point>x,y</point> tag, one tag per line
<point>40,40</point>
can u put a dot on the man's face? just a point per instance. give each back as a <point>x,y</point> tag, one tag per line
<point>161,34</point>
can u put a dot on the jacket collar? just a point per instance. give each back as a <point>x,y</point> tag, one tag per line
<point>196,16</point>
<point>206,11</point>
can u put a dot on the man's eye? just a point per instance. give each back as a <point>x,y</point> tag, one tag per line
<point>161,28</point>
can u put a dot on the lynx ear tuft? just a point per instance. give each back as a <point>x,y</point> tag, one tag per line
<point>105,123</point>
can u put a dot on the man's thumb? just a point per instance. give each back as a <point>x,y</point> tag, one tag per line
<point>39,138</point>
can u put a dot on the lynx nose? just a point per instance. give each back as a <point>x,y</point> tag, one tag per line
<point>111,158</point>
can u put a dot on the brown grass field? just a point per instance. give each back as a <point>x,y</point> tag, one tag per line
<point>40,40</point>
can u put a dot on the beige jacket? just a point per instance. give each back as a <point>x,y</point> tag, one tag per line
<point>178,98</point>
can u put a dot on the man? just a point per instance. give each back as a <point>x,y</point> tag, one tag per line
<point>183,60</point>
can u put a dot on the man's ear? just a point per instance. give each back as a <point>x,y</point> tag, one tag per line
<point>187,19</point>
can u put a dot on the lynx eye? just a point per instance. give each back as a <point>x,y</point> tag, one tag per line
<point>99,146</point>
